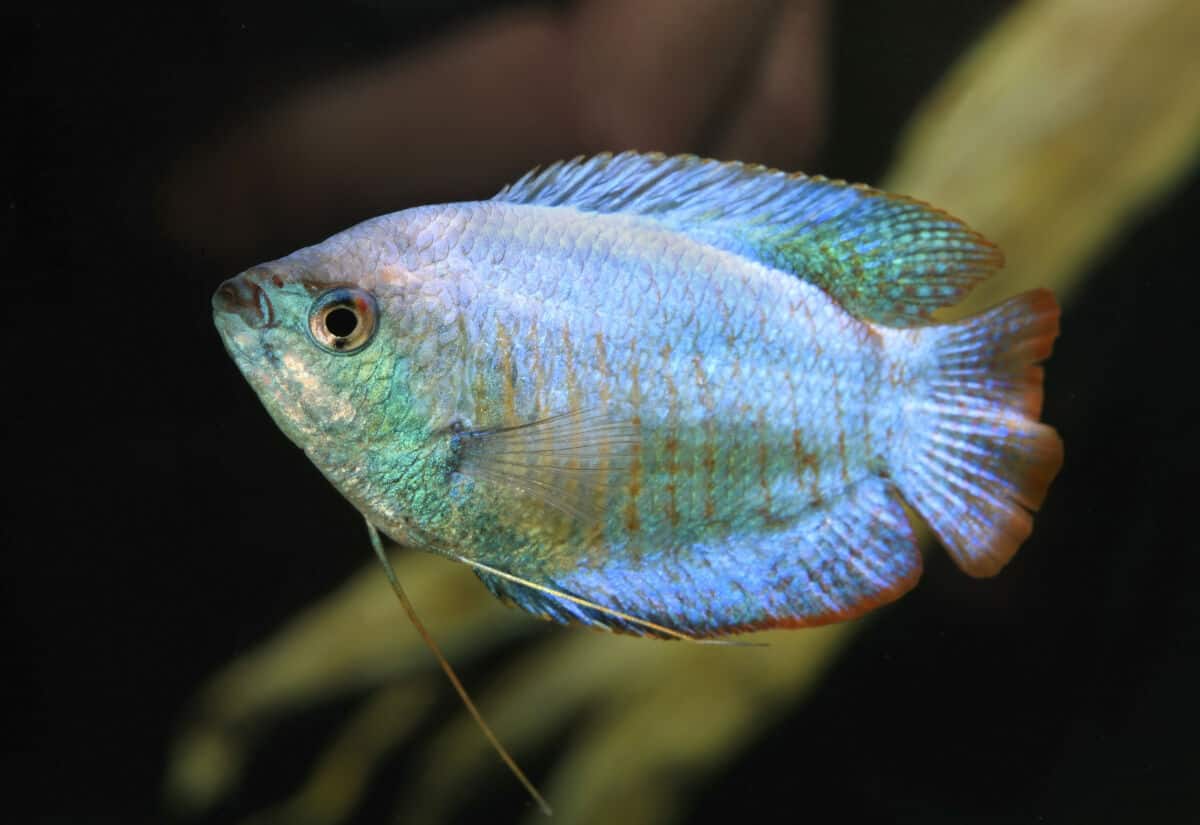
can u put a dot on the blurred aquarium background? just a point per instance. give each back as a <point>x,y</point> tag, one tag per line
<point>196,629</point>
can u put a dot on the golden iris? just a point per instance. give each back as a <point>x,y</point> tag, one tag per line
<point>343,320</point>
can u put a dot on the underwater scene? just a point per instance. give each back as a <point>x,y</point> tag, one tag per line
<point>758,404</point>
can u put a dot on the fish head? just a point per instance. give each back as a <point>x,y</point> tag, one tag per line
<point>335,340</point>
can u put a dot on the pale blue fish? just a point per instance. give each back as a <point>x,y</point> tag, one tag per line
<point>664,395</point>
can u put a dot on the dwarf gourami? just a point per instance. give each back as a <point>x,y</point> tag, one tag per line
<point>663,395</point>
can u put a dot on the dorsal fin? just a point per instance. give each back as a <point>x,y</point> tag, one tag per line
<point>885,258</point>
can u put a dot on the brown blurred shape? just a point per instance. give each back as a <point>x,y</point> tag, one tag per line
<point>460,116</point>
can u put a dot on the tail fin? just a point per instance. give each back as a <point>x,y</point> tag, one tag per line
<point>977,461</point>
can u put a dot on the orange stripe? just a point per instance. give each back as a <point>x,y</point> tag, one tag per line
<point>819,351</point>
<point>569,365</point>
<point>840,418</point>
<point>805,461</point>
<point>602,367</point>
<point>806,465</point>
<point>760,429</point>
<point>632,521</point>
<point>841,423</point>
<point>507,388</point>
<point>479,370</point>
<point>813,336</point>
<point>538,367</point>
<point>708,446</point>
<point>671,445</point>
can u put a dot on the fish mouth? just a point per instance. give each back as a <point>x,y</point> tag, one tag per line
<point>242,297</point>
<point>242,312</point>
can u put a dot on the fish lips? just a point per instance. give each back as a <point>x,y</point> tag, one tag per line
<point>242,313</point>
<point>243,297</point>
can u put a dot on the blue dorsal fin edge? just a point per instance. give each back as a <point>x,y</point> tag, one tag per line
<point>885,258</point>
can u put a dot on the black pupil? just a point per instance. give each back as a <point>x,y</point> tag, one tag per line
<point>341,322</point>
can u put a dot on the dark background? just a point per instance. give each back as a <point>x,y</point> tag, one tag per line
<point>157,523</point>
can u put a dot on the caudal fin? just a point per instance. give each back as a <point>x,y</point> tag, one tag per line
<point>977,461</point>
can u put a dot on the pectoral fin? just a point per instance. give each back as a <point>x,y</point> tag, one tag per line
<point>568,462</point>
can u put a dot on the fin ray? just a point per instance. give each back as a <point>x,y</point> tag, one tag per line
<point>567,462</point>
<point>979,462</point>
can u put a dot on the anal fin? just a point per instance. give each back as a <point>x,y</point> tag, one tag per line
<point>836,561</point>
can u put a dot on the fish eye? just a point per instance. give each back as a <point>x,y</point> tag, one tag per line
<point>342,320</point>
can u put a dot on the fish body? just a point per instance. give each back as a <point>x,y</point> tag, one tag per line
<point>644,392</point>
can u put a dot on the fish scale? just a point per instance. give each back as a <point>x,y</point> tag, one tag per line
<point>663,395</point>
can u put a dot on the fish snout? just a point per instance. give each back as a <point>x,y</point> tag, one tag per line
<point>241,296</point>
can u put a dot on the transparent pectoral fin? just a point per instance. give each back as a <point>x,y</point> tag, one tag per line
<point>568,462</point>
